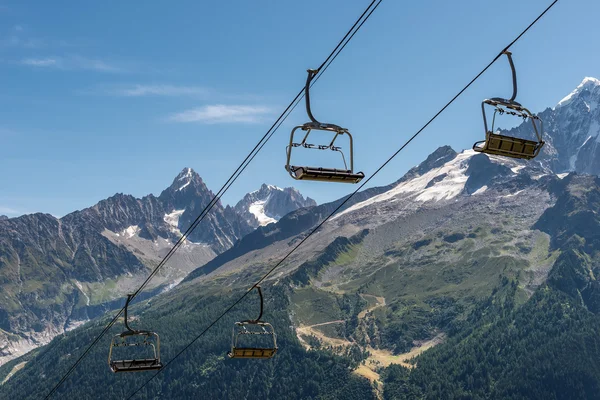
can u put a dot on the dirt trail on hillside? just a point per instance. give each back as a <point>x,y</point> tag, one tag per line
<point>378,357</point>
<point>310,331</point>
<point>15,369</point>
<point>380,303</point>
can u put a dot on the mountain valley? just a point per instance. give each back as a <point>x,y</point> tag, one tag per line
<point>462,279</point>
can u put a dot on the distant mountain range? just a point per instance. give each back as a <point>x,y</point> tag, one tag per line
<point>56,273</point>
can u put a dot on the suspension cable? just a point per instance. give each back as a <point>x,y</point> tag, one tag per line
<point>240,169</point>
<point>346,199</point>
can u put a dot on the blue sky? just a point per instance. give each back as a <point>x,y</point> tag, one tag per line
<point>104,97</point>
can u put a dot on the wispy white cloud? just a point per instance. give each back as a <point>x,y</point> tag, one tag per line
<point>156,90</point>
<point>41,62</point>
<point>71,63</point>
<point>167,90</point>
<point>222,114</point>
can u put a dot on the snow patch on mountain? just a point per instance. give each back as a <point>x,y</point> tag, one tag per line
<point>172,220</point>
<point>187,176</point>
<point>574,157</point>
<point>268,187</point>
<point>514,194</point>
<point>258,210</point>
<point>443,183</point>
<point>480,190</point>
<point>516,170</point>
<point>130,231</point>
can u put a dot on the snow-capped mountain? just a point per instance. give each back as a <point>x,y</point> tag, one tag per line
<point>186,198</point>
<point>269,203</point>
<point>571,131</point>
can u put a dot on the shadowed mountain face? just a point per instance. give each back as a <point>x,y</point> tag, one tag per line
<point>55,273</point>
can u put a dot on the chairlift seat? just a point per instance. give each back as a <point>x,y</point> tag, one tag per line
<point>325,174</point>
<point>128,339</point>
<point>251,352</point>
<point>508,146</point>
<point>148,364</point>
<point>253,328</point>
<point>346,175</point>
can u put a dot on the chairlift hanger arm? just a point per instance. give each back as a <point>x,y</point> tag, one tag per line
<point>514,74</point>
<point>254,321</point>
<point>129,296</point>
<point>311,74</point>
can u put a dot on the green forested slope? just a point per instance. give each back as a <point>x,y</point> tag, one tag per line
<point>203,370</point>
<point>548,348</point>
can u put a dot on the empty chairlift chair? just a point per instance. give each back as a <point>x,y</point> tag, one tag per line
<point>306,173</point>
<point>253,331</point>
<point>134,338</point>
<point>504,145</point>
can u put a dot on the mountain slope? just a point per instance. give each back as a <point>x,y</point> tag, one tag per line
<point>549,347</point>
<point>431,260</point>
<point>466,249</point>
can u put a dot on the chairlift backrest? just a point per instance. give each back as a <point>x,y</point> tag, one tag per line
<point>131,338</point>
<point>253,328</point>
<point>504,145</point>
<point>319,173</point>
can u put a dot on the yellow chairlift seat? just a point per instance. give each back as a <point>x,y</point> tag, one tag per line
<point>307,173</point>
<point>509,146</point>
<point>252,352</point>
<point>134,338</point>
<point>325,174</point>
<point>253,329</point>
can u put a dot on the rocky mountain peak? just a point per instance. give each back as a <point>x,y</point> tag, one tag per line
<point>587,90</point>
<point>571,131</point>
<point>269,203</point>
<point>185,178</point>
<point>3,217</point>
<point>187,187</point>
<point>438,158</point>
